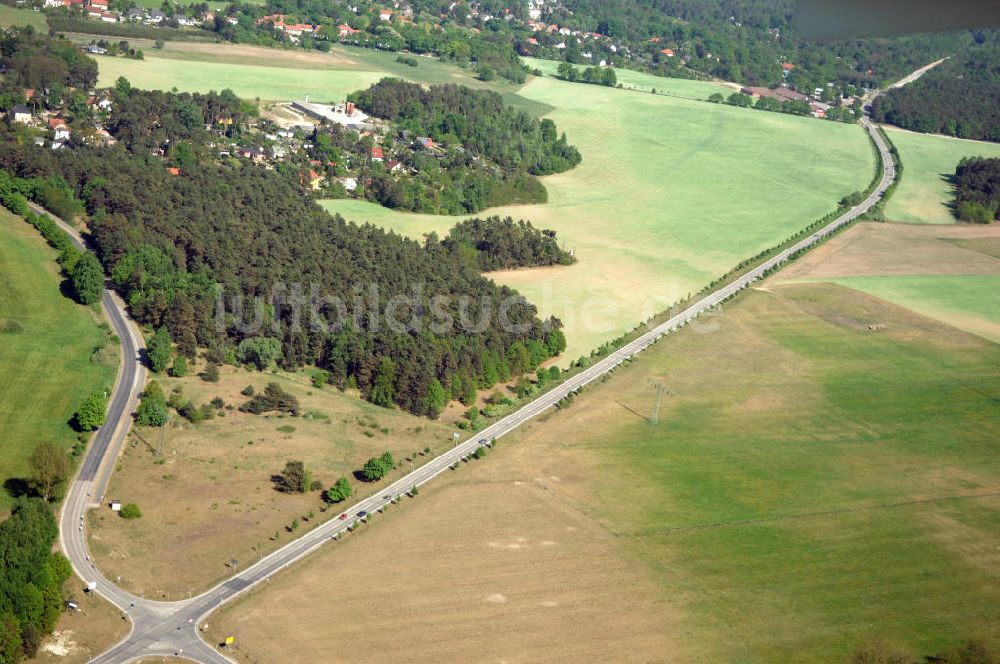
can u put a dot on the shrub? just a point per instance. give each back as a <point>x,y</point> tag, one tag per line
<point>130,511</point>
<point>211,373</point>
<point>91,413</point>
<point>378,467</point>
<point>341,490</point>
<point>247,391</point>
<point>272,399</point>
<point>180,368</point>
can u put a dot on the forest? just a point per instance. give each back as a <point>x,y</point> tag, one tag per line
<point>166,240</point>
<point>977,190</point>
<point>960,97</point>
<point>501,244</point>
<point>31,579</point>
<point>482,153</point>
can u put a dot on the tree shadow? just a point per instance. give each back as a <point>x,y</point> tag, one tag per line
<point>360,476</point>
<point>16,487</point>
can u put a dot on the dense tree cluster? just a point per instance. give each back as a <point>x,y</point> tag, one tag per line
<point>498,244</point>
<point>482,152</point>
<point>37,62</point>
<point>960,97</point>
<point>478,120</point>
<point>977,190</point>
<point>597,75</point>
<point>175,122</point>
<point>165,241</point>
<point>746,41</point>
<point>31,579</point>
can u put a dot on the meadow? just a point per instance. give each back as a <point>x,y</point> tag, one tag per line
<point>58,356</point>
<point>810,485</point>
<point>671,194</point>
<point>206,491</point>
<point>11,16</point>
<point>924,194</point>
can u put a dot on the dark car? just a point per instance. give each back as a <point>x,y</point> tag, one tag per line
<point>362,514</point>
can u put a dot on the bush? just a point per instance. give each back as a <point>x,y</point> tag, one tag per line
<point>91,414</point>
<point>320,378</point>
<point>180,368</point>
<point>152,411</point>
<point>130,511</point>
<point>378,467</point>
<point>340,491</point>
<point>159,351</point>
<point>293,477</point>
<point>247,391</point>
<point>211,373</point>
<point>272,399</point>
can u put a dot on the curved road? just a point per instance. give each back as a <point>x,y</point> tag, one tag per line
<point>171,628</point>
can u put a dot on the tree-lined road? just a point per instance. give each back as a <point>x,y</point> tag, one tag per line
<point>168,628</point>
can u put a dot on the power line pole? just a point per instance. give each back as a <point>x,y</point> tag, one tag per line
<point>660,390</point>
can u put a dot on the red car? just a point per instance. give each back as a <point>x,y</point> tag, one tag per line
<point>343,516</point>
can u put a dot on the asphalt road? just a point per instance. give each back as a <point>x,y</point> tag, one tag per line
<point>171,628</point>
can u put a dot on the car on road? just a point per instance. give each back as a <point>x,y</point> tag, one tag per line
<point>343,516</point>
<point>362,514</point>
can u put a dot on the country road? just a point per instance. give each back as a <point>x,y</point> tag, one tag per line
<point>171,628</point>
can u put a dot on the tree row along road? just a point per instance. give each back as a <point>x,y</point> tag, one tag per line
<point>169,628</point>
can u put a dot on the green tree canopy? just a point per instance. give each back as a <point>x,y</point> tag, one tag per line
<point>87,278</point>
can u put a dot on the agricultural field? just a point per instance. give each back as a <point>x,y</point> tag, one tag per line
<point>925,194</point>
<point>949,273</point>
<point>53,353</point>
<point>11,16</point>
<point>671,194</point>
<point>284,75</point>
<point>205,491</point>
<point>811,484</point>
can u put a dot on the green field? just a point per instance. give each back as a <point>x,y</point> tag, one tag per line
<point>50,366</point>
<point>10,16</point>
<point>810,484</point>
<point>969,302</point>
<point>285,74</point>
<point>631,79</point>
<point>671,194</point>
<point>924,194</point>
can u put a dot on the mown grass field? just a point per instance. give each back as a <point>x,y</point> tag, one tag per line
<point>924,194</point>
<point>11,16</point>
<point>811,485</point>
<point>206,492</point>
<point>671,194</point>
<point>51,365</point>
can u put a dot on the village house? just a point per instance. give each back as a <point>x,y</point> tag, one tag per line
<point>252,153</point>
<point>377,153</point>
<point>425,142</point>
<point>60,131</point>
<point>385,15</point>
<point>394,166</point>
<point>20,114</point>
